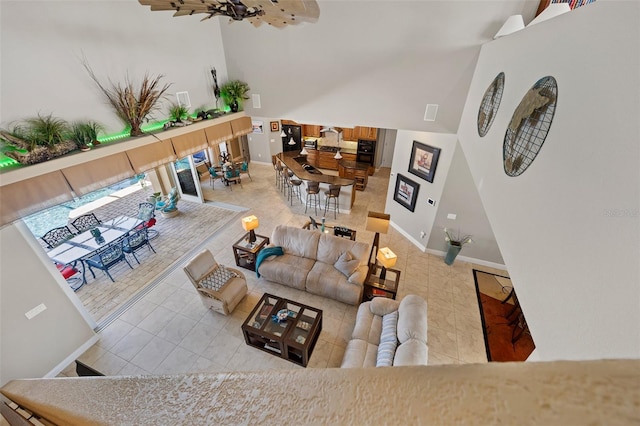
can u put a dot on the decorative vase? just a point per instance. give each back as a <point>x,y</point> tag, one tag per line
<point>453,251</point>
<point>234,106</point>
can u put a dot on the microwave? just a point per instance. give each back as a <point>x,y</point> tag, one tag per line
<point>311,143</point>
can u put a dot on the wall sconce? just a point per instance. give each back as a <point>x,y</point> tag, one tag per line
<point>378,223</point>
<point>250,223</point>
<point>387,259</point>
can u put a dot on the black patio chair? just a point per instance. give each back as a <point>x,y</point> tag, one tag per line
<point>57,236</point>
<point>147,213</point>
<point>106,258</point>
<point>135,240</point>
<point>86,221</point>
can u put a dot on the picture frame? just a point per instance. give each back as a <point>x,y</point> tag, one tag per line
<point>257,126</point>
<point>406,192</point>
<point>424,160</point>
<point>275,126</point>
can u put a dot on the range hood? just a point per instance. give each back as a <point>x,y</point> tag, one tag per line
<point>331,129</point>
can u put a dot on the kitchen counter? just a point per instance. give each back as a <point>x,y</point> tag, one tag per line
<point>288,158</point>
<point>353,165</point>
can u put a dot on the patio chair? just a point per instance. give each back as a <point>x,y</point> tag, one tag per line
<point>244,168</point>
<point>57,236</point>
<point>135,241</point>
<point>86,221</point>
<point>220,288</point>
<point>106,258</point>
<point>213,176</point>
<point>147,213</point>
<point>69,273</point>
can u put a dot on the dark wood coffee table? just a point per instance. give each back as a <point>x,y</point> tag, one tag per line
<point>292,339</point>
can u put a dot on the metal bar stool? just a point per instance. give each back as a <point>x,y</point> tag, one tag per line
<point>313,196</point>
<point>332,195</point>
<point>294,187</point>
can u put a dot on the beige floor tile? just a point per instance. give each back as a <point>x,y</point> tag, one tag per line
<point>157,319</point>
<point>131,344</point>
<point>133,370</point>
<point>436,358</point>
<point>442,341</point>
<point>177,328</point>
<point>109,364</point>
<point>199,338</point>
<point>152,355</point>
<point>113,333</point>
<point>138,312</point>
<point>178,361</point>
<point>222,348</point>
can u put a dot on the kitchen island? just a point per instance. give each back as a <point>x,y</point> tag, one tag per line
<point>359,172</point>
<point>295,162</point>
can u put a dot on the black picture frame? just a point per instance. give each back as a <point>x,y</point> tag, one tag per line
<point>406,192</point>
<point>424,160</point>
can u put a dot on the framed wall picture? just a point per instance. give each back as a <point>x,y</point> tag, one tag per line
<point>424,160</point>
<point>275,126</point>
<point>257,126</point>
<point>406,192</point>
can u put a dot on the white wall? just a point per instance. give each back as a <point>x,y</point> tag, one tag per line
<point>42,43</point>
<point>32,348</point>
<point>569,227</point>
<point>264,145</point>
<point>368,63</point>
<point>420,220</point>
<point>460,197</point>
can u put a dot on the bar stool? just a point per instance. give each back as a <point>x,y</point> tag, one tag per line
<point>279,174</point>
<point>313,196</point>
<point>332,194</point>
<point>294,186</point>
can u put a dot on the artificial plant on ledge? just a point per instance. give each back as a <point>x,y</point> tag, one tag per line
<point>132,105</point>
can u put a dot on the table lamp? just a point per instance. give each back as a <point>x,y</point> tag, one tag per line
<point>250,223</point>
<point>378,223</point>
<point>388,260</point>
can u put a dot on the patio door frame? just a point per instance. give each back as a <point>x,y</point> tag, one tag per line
<point>196,180</point>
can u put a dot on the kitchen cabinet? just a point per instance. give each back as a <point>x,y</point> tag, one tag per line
<point>311,130</point>
<point>326,161</point>
<point>370,133</point>
<point>348,135</point>
<point>312,157</point>
<point>348,157</point>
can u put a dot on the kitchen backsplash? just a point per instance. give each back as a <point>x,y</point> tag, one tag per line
<point>331,139</point>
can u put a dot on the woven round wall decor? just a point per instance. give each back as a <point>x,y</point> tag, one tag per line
<point>490,104</point>
<point>529,126</point>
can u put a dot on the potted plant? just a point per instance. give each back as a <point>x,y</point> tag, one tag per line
<point>455,243</point>
<point>234,92</point>
<point>177,112</point>
<point>78,134</point>
<point>36,139</point>
<point>93,129</point>
<point>132,104</point>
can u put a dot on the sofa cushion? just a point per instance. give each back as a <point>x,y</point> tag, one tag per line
<point>383,305</point>
<point>296,241</point>
<point>411,352</point>
<point>218,278</point>
<point>347,264</point>
<point>368,326</point>
<point>330,248</point>
<point>359,275</point>
<point>325,280</point>
<point>359,353</point>
<point>288,269</point>
<point>412,319</point>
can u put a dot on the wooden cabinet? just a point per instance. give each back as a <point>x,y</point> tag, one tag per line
<point>312,157</point>
<point>311,130</point>
<point>370,133</point>
<point>326,161</point>
<point>348,135</point>
<point>348,157</point>
<point>345,172</point>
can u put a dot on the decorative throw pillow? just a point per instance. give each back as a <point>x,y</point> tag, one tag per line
<point>346,264</point>
<point>386,353</point>
<point>389,328</point>
<point>218,278</point>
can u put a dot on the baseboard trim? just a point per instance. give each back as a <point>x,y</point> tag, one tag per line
<point>470,259</point>
<point>407,236</point>
<point>74,355</point>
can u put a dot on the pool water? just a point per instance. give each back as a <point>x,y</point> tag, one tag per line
<point>41,222</point>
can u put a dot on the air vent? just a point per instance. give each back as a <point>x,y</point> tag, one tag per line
<point>183,99</point>
<point>430,112</point>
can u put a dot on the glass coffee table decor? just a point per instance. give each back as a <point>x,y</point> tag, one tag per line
<point>283,328</point>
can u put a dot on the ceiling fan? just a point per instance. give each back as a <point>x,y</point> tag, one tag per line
<point>277,13</point>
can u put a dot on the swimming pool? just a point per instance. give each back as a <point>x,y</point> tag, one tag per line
<point>41,222</point>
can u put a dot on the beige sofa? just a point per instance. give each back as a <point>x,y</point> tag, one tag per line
<point>318,263</point>
<point>379,340</point>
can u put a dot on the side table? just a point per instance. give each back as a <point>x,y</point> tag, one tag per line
<point>246,252</point>
<point>374,286</point>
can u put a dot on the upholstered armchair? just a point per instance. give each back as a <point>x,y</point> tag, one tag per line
<point>220,288</point>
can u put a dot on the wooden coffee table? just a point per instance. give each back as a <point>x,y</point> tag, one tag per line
<point>292,339</point>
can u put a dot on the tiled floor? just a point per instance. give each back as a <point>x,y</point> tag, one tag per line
<point>169,331</point>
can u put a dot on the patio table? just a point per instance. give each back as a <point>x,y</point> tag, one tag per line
<point>84,244</point>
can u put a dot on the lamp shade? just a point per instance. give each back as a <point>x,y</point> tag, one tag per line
<point>338,156</point>
<point>283,134</point>
<point>386,257</point>
<point>250,222</point>
<point>292,142</point>
<point>378,222</point>
<point>511,25</point>
<point>304,151</point>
